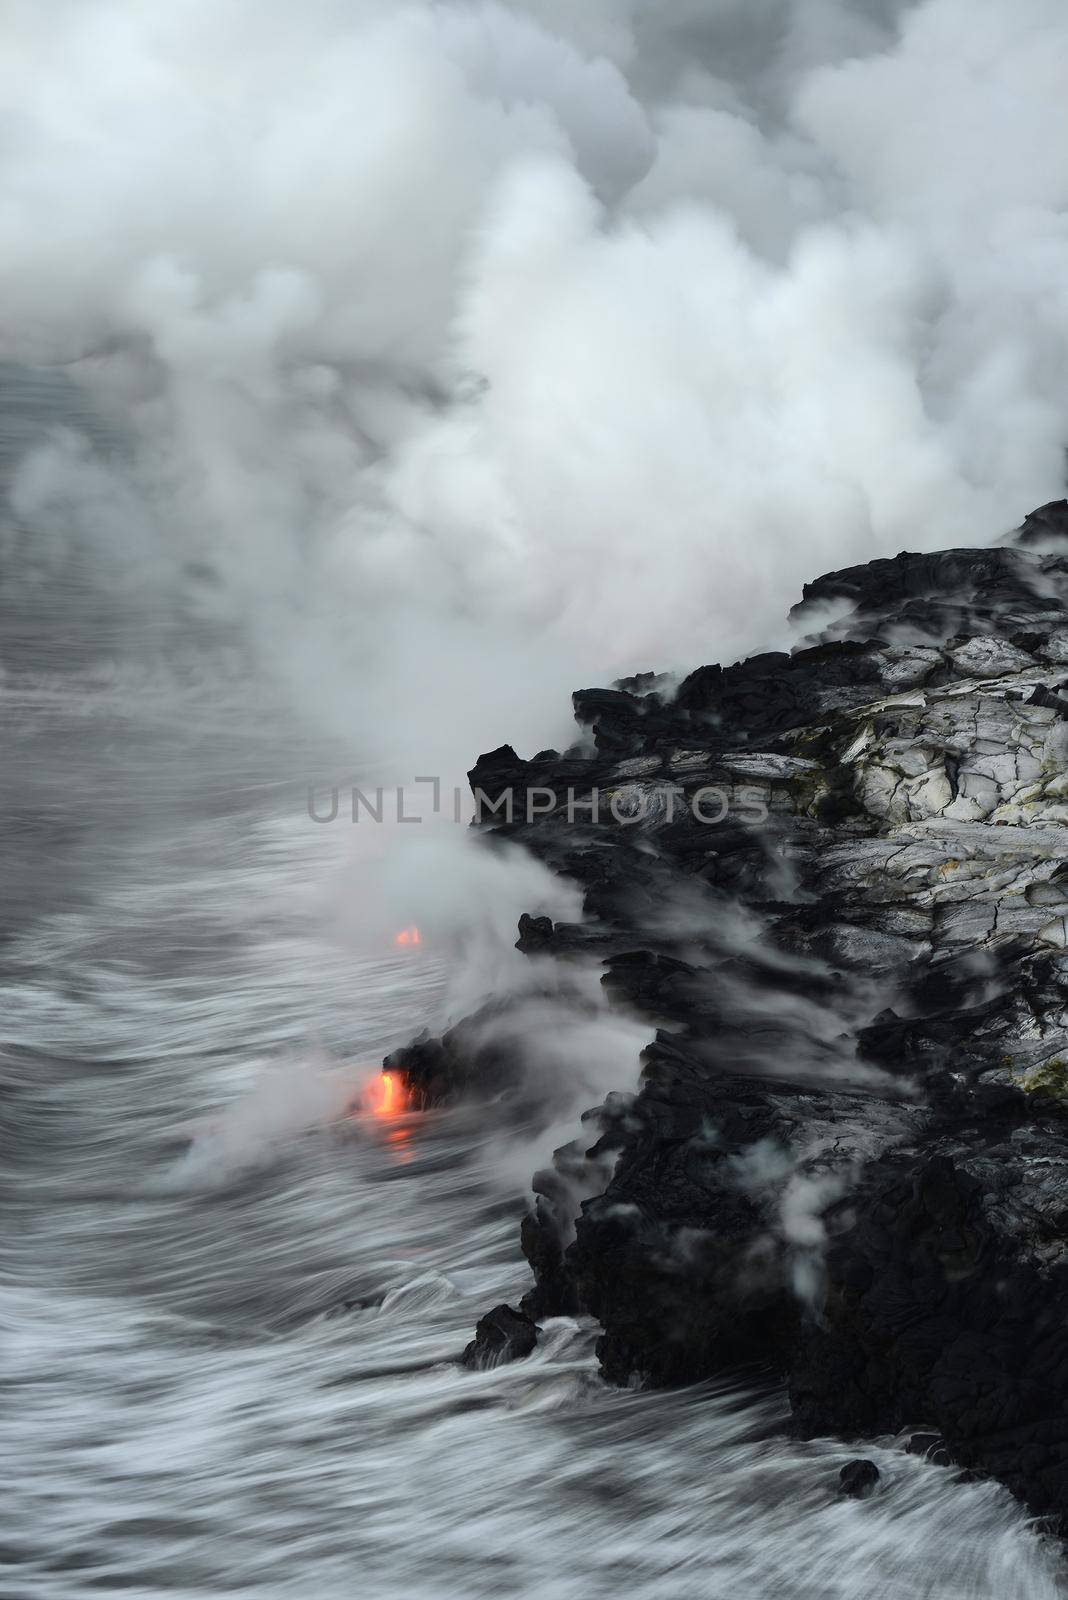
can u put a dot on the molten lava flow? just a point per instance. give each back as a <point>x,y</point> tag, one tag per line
<point>408,936</point>
<point>392,1095</point>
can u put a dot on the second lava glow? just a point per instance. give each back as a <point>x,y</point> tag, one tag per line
<point>388,1096</point>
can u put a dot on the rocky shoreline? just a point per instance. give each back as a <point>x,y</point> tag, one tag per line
<point>847,1159</point>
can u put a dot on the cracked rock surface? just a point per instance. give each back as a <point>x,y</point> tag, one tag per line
<point>847,1157</point>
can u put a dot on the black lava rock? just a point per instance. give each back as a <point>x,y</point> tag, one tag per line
<point>501,1335</point>
<point>844,1156</point>
<point>858,1479</point>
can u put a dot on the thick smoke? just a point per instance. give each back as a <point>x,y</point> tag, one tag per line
<point>464,352</point>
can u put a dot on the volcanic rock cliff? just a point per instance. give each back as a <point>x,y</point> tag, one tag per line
<point>848,1155</point>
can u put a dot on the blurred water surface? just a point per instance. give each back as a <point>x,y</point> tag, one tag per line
<point>231,1319</point>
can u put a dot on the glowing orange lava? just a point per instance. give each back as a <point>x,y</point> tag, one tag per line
<point>408,936</point>
<point>391,1096</point>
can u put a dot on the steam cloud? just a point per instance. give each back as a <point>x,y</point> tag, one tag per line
<point>480,349</point>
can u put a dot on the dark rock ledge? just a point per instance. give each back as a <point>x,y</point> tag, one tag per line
<point>848,1155</point>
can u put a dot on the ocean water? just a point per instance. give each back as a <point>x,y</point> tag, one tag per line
<point>232,1305</point>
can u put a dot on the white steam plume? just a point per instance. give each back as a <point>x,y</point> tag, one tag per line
<point>482,349</point>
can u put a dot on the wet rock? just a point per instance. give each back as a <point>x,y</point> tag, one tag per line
<point>691,1256</point>
<point>535,934</point>
<point>468,1062</point>
<point>858,1479</point>
<point>929,1445</point>
<point>1046,527</point>
<point>948,1293</point>
<point>502,1335</point>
